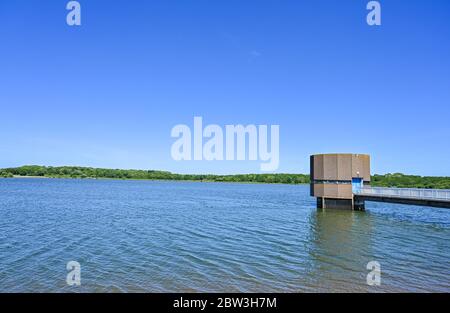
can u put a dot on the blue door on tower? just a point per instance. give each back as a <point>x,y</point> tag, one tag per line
<point>357,184</point>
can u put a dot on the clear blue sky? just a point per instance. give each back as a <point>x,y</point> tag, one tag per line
<point>108,93</point>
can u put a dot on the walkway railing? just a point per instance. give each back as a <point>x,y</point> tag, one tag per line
<point>413,193</point>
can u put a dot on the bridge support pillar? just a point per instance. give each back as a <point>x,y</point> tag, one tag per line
<point>359,204</point>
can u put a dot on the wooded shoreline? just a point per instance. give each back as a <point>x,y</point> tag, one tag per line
<point>386,180</point>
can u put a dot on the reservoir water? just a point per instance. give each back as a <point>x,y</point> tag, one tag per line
<point>157,236</point>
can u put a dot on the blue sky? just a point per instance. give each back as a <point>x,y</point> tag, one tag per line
<point>107,93</point>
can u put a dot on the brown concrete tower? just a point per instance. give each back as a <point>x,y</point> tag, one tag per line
<point>335,178</point>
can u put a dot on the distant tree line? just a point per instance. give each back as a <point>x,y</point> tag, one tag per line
<point>387,180</point>
<point>4,174</point>
<point>88,172</point>
<point>410,181</point>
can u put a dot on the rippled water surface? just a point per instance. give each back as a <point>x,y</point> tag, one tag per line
<point>144,236</point>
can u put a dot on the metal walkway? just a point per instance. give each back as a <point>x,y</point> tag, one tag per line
<point>414,196</point>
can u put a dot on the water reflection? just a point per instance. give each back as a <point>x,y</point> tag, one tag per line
<point>341,247</point>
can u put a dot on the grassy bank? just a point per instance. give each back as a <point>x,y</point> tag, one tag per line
<point>387,180</point>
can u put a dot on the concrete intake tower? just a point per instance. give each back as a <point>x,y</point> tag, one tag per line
<point>335,178</point>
